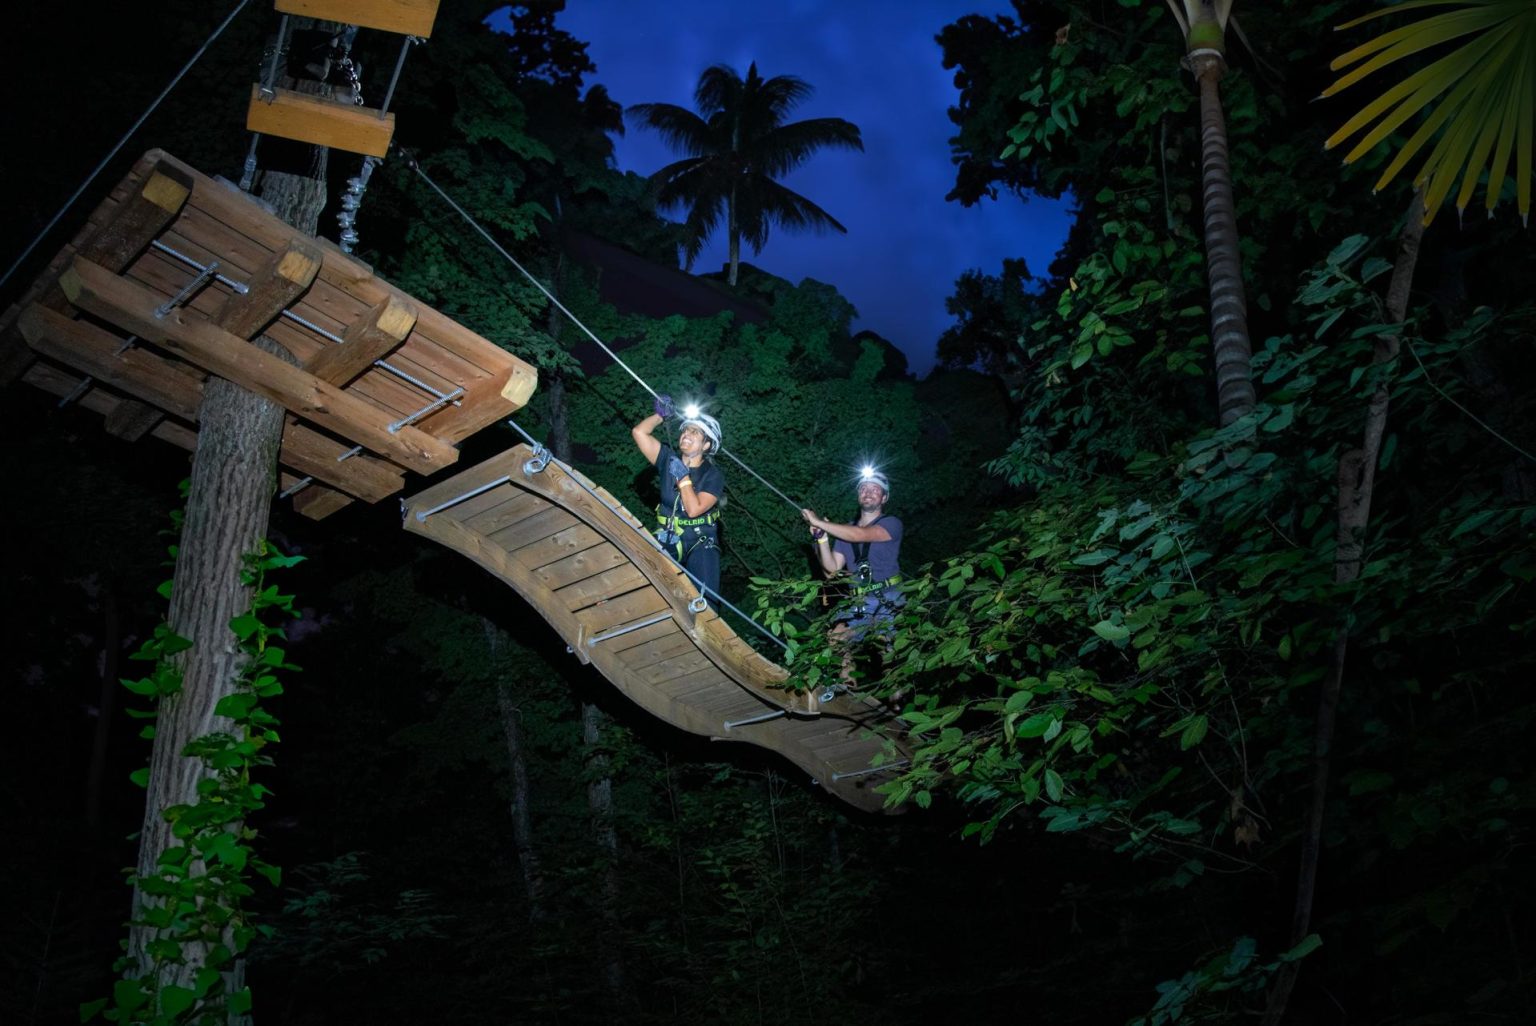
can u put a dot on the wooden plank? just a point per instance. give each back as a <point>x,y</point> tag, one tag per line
<point>99,353</point>
<point>317,502</point>
<point>689,661</point>
<point>404,17</point>
<point>61,382</point>
<point>556,547</point>
<point>637,605</point>
<point>132,307</point>
<point>368,339</point>
<point>132,420</point>
<point>320,120</point>
<point>644,636</point>
<point>601,587</point>
<point>667,646</point>
<point>315,455</point>
<point>581,565</point>
<point>515,507</point>
<point>285,277</point>
<point>508,463</point>
<point>548,521</point>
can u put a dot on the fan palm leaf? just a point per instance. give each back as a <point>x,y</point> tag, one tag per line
<point>1476,101</point>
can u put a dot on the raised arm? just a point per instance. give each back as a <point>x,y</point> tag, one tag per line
<point>649,447</point>
<point>848,532</point>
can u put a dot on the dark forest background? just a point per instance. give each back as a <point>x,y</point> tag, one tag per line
<point>1120,620</point>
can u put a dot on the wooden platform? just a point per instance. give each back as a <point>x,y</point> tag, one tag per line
<point>569,549</point>
<point>378,383</point>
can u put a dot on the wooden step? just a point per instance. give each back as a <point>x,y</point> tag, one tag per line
<point>321,121</point>
<point>405,17</point>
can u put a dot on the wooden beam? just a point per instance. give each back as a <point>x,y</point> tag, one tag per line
<point>367,339</point>
<point>404,17</point>
<point>131,420</point>
<point>315,455</point>
<point>139,218</point>
<point>99,353</point>
<point>90,287</point>
<point>285,277</point>
<point>317,502</point>
<point>321,121</point>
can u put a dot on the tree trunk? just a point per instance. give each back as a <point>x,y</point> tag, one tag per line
<point>234,473</point>
<point>1357,482</point>
<point>733,232</point>
<point>1229,308</point>
<point>600,805</point>
<point>522,821</point>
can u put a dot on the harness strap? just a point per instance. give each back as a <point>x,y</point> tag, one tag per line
<point>665,519</point>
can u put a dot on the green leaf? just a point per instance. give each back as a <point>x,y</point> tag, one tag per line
<point>91,1009</point>
<point>1116,632</point>
<point>174,1000</point>
<point>240,1001</point>
<point>140,776</point>
<point>1053,785</point>
<point>129,995</point>
<point>1309,944</point>
<point>1036,725</point>
<point>1194,733</point>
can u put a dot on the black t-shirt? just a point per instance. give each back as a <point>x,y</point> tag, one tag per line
<point>706,477</point>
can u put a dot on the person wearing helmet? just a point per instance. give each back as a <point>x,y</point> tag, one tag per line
<point>869,551</point>
<point>688,515</point>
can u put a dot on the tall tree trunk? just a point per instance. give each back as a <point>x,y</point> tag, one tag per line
<point>733,232</point>
<point>1357,482</point>
<point>522,821</point>
<point>600,805</point>
<point>1229,309</point>
<point>234,474</point>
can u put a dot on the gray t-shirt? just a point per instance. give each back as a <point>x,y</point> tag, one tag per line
<point>884,557</point>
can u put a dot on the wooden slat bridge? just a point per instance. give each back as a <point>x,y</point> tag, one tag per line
<point>586,564</point>
<point>175,274</point>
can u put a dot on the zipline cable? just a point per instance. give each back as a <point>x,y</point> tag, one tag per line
<point>239,6</point>
<point>411,161</point>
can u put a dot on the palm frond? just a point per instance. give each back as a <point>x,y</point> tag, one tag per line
<point>1478,98</point>
<point>778,152</point>
<point>679,127</point>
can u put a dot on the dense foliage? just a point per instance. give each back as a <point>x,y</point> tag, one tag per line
<point>1120,617</point>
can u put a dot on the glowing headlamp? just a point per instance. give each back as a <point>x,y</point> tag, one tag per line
<point>691,411</point>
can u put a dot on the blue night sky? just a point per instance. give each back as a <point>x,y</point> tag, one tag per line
<point>872,62</point>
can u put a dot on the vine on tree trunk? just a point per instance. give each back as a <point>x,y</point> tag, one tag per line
<point>194,901</point>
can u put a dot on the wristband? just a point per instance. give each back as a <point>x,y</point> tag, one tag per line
<point>685,481</point>
<point>822,540</point>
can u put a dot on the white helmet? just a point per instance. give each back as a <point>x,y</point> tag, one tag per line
<point>708,425</point>
<point>870,474</point>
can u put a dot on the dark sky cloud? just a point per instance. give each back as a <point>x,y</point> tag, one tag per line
<point>875,63</point>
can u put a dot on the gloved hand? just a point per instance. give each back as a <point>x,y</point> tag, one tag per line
<point>663,406</point>
<point>676,469</point>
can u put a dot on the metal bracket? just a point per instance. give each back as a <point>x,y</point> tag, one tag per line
<point>203,277</point>
<point>537,463</point>
<point>697,605</point>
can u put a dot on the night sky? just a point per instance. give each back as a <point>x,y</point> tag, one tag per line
<point>872,62</point>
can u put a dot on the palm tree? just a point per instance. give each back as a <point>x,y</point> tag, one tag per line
<point>1204,23</point>
<point>737,145</point>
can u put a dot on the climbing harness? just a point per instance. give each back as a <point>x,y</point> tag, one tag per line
<point>544,457</point>
<point>239,6</point>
